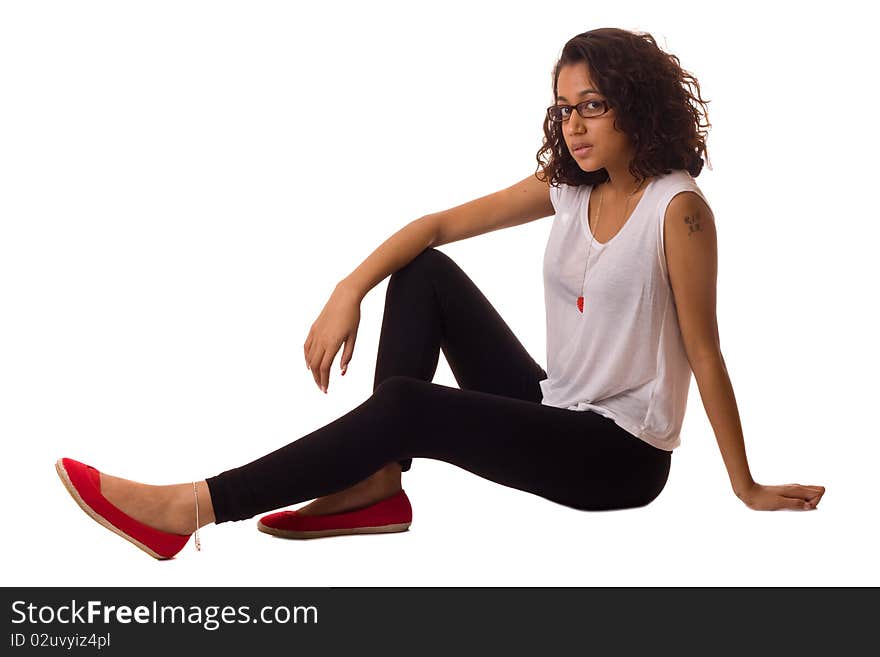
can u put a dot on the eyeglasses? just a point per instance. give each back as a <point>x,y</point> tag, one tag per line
<point>588,109</point>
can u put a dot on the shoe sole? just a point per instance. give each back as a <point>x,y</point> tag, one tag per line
<point>65,479</point>
<point>320,533</point>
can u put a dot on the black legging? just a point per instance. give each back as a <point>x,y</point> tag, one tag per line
<point>493,426</point>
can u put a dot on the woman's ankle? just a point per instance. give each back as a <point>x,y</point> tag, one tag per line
<point>391,473</point>
<point>180,507</point>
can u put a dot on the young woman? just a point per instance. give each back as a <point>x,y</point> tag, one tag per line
<point>629,275</point>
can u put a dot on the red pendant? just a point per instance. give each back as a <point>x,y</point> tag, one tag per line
<point>581,304</point>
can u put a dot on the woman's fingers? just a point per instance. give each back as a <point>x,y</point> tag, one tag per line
<point>319,361</point>
<point>786,496</point>
<point>306,348</point>
<point>794,496</point>
<point>816,492</point>
<point>326,363</point>
<point>336,324</point>
<point>315,358</point>
<point>791,503</point>
<point>346,353</point>
<point>810,494</point>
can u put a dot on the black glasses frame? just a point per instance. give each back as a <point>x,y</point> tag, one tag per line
<point>580,107</point>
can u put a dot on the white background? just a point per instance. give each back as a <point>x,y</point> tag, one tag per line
<point>182,184</point>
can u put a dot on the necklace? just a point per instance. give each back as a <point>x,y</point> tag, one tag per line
<point>580,299</point>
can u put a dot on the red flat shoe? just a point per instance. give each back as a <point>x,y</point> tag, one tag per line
<point>83,482</point>
<point>393,514</point>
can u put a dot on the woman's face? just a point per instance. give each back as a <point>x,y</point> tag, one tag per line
<point>611,148</point>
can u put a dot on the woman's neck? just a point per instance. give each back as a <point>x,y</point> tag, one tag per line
<point>615,190</point>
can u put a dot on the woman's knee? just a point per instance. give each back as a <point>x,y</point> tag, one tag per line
<point>426,264</point>
<point>399,393</point>
<point>400,401</point>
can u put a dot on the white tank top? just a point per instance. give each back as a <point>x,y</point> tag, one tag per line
<point>623,357</point>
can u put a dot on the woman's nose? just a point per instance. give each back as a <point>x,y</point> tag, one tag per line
<point>576,122</point>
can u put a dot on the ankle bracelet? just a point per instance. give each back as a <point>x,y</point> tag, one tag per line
<point>197,542</point>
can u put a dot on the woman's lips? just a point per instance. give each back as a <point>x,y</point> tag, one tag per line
<point>585,150</point>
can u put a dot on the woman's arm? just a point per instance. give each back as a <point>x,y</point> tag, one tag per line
<point>716,391</point>
<point>524,201</point>
<point>692,262</point>
<point>393,254</point>
<point>338,322</point>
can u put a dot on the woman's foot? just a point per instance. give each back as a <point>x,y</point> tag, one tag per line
<point>167,508</point>
<point>379,486</point>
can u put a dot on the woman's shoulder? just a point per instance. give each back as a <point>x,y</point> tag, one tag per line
<point>676,176</point>
<point>670,190</point>
<point>677,180</point>
<point>563,194</point>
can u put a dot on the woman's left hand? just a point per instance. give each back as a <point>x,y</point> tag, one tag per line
<point>788,496</point>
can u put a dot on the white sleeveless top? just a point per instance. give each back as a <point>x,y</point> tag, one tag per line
<point>623,357</point>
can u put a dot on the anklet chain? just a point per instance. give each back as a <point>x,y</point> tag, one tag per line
<point>196,493</point>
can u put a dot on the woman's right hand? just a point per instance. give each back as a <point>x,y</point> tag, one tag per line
<point>787,496</point>
<point>337,323</point>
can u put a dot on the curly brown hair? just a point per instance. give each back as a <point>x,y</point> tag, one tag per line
<point>653,104</point>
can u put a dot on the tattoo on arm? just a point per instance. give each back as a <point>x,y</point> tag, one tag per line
<point>693,223</point>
